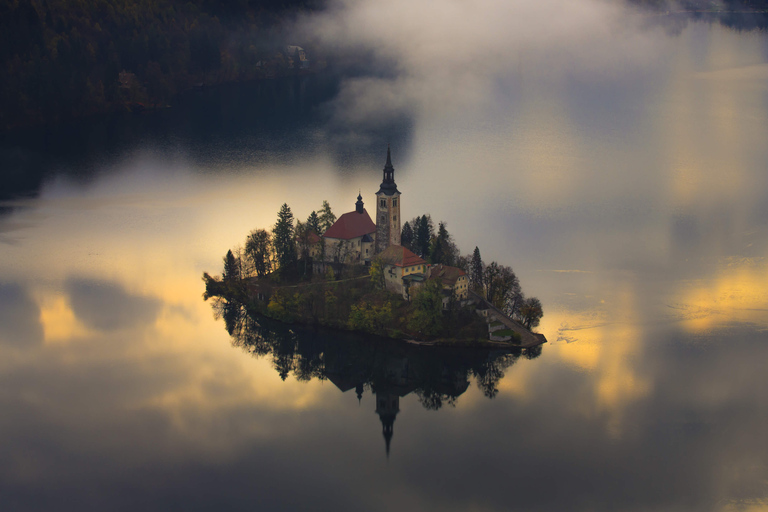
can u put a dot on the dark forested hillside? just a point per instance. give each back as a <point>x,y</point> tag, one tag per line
<point>63,58</point>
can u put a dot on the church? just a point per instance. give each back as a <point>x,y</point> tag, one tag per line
<point>355,238</point>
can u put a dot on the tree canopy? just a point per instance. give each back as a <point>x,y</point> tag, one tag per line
<point>258,250</point>
<point>283,238</point>
<point>63,58</point>
<point>326,217</point>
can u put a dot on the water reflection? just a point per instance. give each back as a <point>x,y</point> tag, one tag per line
<point>389,369</point>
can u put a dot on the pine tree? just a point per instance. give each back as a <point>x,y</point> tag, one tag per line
<point>326,217</point>
<point>283,239</point>
<point>231,267</point>
<point>424,236</point>
<point>476,270</point>
<point>313,223</point>
<point>441,247</point>
<point>406,237</point>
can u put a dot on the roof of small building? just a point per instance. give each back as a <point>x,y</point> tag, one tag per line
<point>449,275</point>
<point>351,225</point>
<point>312,238</point>
<point>400,256</point>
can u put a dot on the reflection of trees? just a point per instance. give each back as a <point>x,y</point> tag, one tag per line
<point>388,368</point>
<point>491,371</point>
<point>437,375</point>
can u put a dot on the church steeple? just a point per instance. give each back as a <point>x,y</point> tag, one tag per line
<point>388,185</point>
<point>387,407</point>
<point>359,203</point>
<point>387,208</point>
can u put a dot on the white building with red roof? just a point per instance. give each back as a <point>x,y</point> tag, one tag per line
<point>351,238</point>
<point>403,270</point>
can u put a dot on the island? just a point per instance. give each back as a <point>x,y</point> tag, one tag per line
<point>407,282</point>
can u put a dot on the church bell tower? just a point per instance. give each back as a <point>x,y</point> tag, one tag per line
<point>387,209</point>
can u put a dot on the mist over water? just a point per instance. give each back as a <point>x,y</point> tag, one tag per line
<point>616,163</point>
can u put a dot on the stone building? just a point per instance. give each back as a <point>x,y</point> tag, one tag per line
<point>350,239</point>
<point>387,209</point>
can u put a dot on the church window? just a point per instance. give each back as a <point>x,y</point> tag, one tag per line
<point>394,203</point>
<point>394,217</point>
<point>383,218</point>
<point>383,203</point>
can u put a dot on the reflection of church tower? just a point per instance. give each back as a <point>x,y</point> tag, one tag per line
<point>387,407</point>
<point>387,209</point>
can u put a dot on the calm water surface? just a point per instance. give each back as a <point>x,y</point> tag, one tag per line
<point>634,206</point>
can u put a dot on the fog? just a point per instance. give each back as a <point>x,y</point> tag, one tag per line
<point>437,57</point>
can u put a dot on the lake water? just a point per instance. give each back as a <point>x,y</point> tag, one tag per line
<point>633,205</point>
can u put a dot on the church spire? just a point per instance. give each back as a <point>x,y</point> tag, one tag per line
<point>388,185</point>
<point>359,203</point>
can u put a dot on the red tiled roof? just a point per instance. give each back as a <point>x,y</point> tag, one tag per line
<point>351,225</point>
<point>449,275</point>
<point>312,238</point>
<point>399,256</point>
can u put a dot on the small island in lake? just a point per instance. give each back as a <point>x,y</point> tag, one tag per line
<point>405,282</point>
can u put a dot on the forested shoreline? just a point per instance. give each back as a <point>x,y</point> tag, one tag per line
<point>69,58</point>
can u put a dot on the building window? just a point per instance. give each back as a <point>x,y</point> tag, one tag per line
<point>394,217</point>
<point>394,203</point>
<point>383,203</point>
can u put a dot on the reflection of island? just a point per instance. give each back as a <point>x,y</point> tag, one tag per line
<point>387,368</point>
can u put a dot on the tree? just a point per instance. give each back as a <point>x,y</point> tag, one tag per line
<point>489,279</point>
<point>427,316</point>
<point>423,235</point>
<point>258,250</point>
<point>502,288</point>
<point>531,312</point>
<point>406,236</point>
<point>303,233</point>
<point>313,223</point>
<point>442,249</point>
<point>326,217</point>
<point>509,293</point>
<point>231,267</point>
<point>476,270</point>
<point>376,271</point>
<point>283,238</point>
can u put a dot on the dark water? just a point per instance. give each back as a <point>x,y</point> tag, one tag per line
<point>632,204</point>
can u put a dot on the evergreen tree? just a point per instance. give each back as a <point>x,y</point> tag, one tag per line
<point>326,217</point>
<point>442,249</point>
<point>424,236</point>
<point>476,270</point>
<point>283,239</point>
<point>406,236</point>
<point>313,223</point>
<point>231,267</point>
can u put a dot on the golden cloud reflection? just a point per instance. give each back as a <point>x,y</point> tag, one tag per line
<point>737,292</point>
<point>60,325</point>
<point>605,343</point>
